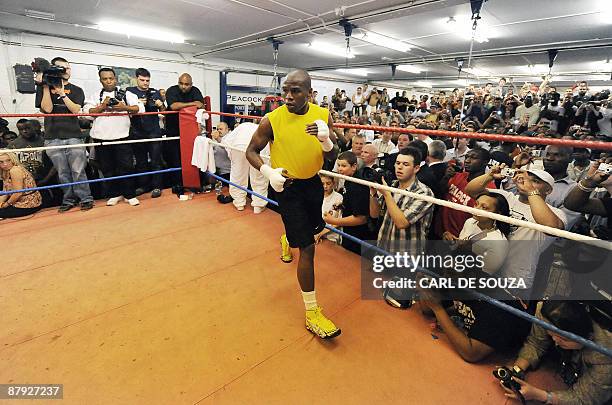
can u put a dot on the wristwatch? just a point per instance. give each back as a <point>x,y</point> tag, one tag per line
<point>549,398</point>
<point>534,192</point>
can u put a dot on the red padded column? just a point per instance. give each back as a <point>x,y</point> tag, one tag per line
<point>188,128</point>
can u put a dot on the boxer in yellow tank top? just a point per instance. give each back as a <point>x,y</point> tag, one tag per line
<point>300,136</point>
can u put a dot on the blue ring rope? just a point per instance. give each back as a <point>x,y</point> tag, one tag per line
<point>125,176</point>
<point>569,335</point>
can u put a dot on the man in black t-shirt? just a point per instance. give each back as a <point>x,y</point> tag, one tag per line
<point>479,328</point>
<point>393,101</point>
<point>36,162</point>
<point>147,127</point>
<point>63,131</point>
<point>185,94</point>
<point>402,102</point>
<point>355,206</point>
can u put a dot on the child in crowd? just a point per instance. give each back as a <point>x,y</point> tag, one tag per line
<point>332,205</point>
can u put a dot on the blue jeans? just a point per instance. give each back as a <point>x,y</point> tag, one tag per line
<point>70,165</point>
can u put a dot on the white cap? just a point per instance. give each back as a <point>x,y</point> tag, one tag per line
<point>543,175</point>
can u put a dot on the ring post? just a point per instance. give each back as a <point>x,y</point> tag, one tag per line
<point>188,128</point>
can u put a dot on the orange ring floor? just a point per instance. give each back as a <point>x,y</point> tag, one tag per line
<point>177,302</point>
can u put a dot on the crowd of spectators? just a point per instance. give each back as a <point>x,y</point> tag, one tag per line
<point>563,187</point>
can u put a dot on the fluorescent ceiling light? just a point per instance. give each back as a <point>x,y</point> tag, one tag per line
<point>329,49</point>
<point>423,84</point>
<point>603,66</point>
<point>476,72</point>
<point>409,68</point>
<point>356,72</point>
<point>40,15</point>
<point>382,40</point>
<point>538,69</point>
<point>605,11</point>
<point>131,30</point>
<point>462,26</point>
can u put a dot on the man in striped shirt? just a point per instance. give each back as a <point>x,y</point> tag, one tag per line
<point>406,220</point>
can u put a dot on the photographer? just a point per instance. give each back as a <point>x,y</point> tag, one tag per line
<point>583,95</point>
<point>587,372</point>
<point>551,110</point>
<point>147,127</point>
<point>114,160</point>
<point>604,120</point>
<point>406,219</point>
<point>528,113</point>
<point>529,205</point>
<point>587,116</point>
<point>61,98</point>
<point>578,198</point>
<point>496,115</point>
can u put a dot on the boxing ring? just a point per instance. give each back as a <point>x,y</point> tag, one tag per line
<point>187,303</point>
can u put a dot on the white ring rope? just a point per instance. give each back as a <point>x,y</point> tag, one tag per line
<point>81,145</point>
<point>541,228</point>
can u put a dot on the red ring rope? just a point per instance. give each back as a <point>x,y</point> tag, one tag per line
<point>597,145</point>
<point>84,114</point>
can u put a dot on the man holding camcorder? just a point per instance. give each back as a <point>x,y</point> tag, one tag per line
<point>56,95</point>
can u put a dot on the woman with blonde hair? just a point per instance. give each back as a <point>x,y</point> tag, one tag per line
<point>16,177</point>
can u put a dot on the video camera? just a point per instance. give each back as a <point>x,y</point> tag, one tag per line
<point>51,74</point>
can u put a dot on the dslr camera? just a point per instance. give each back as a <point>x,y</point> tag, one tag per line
<point>151,97</point>
<point>51,74</point>
<point>504,375</point>
<point>605,168</point>
<point>508,172</point>
<point>119,97</point>
<point>377,176</point>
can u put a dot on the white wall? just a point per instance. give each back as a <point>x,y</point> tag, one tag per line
<point>85,57</point>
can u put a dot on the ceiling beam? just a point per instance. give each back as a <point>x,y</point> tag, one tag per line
<point>490,53</point>
<point>379,13</point>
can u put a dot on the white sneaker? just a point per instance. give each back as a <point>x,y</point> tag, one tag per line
<point>114,201</point>
<point>258,210</point>
<point>133,202</point>
<point>240,208</point>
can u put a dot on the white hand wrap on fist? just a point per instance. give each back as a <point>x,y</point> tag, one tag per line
<point>323,135</point>
<point>277,180</point>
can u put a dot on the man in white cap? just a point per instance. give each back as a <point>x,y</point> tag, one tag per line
<point>529,205</point>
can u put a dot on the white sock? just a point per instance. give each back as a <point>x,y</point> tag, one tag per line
<point>310,300</point>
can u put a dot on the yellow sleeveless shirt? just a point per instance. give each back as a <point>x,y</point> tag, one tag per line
<point>293,148</point>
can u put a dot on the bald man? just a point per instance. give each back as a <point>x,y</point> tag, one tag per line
<point>300,136</point>
<point>179,96</point>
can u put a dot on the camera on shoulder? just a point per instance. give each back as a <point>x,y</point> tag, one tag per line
<point>51,74</point>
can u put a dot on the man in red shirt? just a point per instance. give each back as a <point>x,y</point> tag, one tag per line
<point>454,181</point>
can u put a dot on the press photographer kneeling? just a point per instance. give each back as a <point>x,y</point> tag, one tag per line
<point>474,327</point>
<point>587,373</point>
